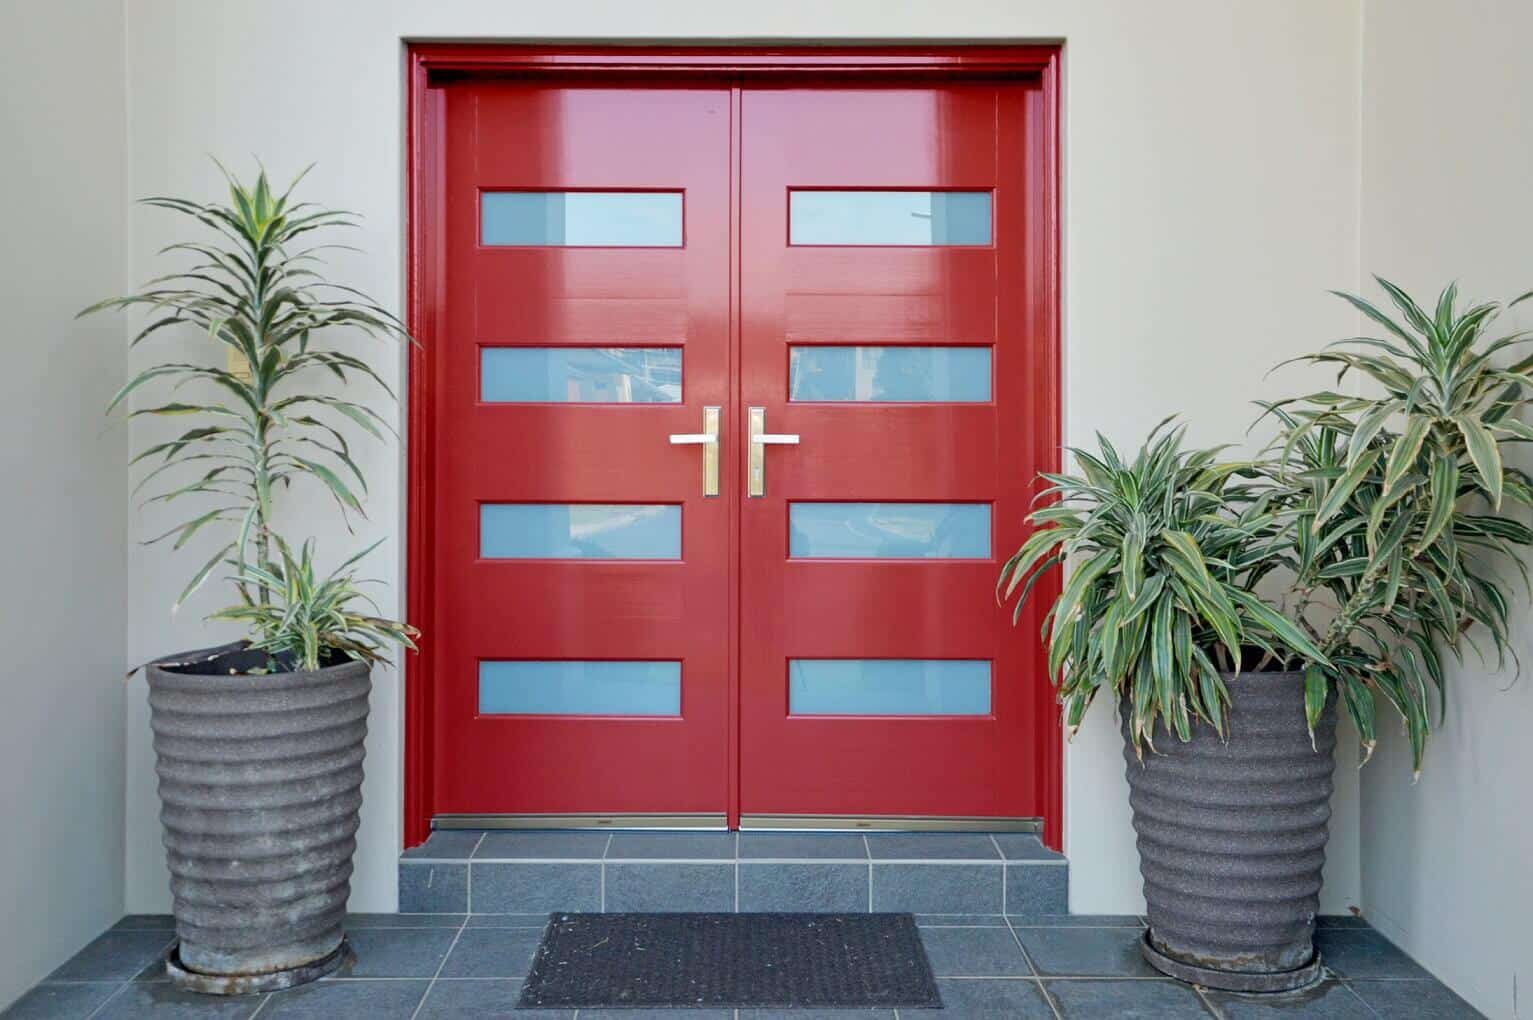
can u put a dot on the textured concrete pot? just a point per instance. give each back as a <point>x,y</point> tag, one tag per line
<point>1232,840</point>
<point>260,785</point>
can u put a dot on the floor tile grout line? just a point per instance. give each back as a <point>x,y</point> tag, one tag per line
<point>105,1002</point>
<point>1366,1004</point>
<point>868,849</point>
<point>1043,990</point>
<point>264,1000</point>
<point>606,849</point>
<point>441,966</point>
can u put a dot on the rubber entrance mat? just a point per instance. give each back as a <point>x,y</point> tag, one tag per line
<point>591,961</point>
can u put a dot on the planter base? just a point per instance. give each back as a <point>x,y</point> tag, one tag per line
<point>245,984</point>
<point>1234,981</point>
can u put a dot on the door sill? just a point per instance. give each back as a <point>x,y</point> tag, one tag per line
<point>905,823</point>
<point>582,821</point>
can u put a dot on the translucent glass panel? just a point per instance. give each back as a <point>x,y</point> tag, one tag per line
<point>889,217</point>
<point>888,687</point>
<point>595,375</point>
<point>541,531</point>
<point>580,688</point>
<point>894,374</point>
<point>581,219</point>
<point>889,530</point>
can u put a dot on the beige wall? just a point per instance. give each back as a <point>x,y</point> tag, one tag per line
<point>1447,168</point>
<point>1210,190</point>
<point>64,477</point>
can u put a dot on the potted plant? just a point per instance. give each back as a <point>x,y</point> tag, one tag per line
<point>259,743</point>
<point>1228,608</point>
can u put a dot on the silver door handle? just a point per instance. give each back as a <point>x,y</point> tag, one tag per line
<point>760,439</point>
<point>708,439</point>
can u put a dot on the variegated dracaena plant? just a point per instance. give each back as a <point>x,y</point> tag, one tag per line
<point>259,425</point>
<point>1379,520</point>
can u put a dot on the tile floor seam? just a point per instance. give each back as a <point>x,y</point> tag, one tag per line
<point>105,1002</point>
<point>605,850</point>
<point>440,967</point>
<point>1048,998</point>
<point>869,851</point>
<point>264,1000</point>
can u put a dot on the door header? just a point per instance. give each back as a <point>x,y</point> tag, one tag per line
<point>438,61</point>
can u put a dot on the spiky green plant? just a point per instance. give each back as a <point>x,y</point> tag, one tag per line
<point>255,291</point>
<point>300,616</point>
<point>1399,497</point>
<point>1380,518</point>
<point>1166,549</point>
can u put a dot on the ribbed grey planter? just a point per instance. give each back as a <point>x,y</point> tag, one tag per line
<point>1232,840</point>
<point>260,787</point>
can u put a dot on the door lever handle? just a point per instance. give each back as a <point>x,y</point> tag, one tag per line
<point>708,439</point>
<point>760,439</point>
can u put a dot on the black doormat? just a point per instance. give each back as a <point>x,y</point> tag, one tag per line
<point>591,961</point>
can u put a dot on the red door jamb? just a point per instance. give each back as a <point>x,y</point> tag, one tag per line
<point>424,288</point>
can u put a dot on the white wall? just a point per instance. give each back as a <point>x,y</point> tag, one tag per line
<point>63,471</point>
<point>1211,153</point>
<point>1447,166</point>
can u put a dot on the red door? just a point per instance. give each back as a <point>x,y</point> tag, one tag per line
<point>580,630</point>
<point>646,597</point>
<point>882,321</point>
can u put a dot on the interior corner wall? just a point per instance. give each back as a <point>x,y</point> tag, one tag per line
<point>1447,168</point>
<point>64,471</point>
<point>1209,201</point>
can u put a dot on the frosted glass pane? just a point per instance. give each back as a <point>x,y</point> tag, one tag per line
<point>580,688</point>
<point>895,374</point>
<point>615,219</point>
<point>534,531</point>
<point>888,687</point>
<point>889,217</point>
<point>596,375</point>
<point>889,531</point>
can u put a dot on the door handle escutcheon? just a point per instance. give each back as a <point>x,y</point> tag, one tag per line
<point>760,439</point>
<point>708,439</point>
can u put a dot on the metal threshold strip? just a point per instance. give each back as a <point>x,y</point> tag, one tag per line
<point>843,823</point>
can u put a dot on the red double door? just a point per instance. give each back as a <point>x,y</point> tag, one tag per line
<point>648,598</point>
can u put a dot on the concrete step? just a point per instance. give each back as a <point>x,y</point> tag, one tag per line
<point>535,872</point>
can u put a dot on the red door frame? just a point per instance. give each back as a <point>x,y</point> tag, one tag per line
<point>425,299</point>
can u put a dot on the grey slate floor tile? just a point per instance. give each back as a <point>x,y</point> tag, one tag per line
<point>689,846</point>
<point>446,845</point>
<point>1325,1002</point>
<point>817,1014</point>
<point>1077,921</point>
<point>493,953</point>
<point>365,1000</point>
<point>145,922</point>
<point>578,845</point>
<point>1023,846</point>
<point>932,846</point>
<point>938,888</point>
<point>1085,952</point>
<point>1127,1000</point>
<point>974,952</point>
<point>115,956</point>
<point>1414,1000</point>
<point>536,888</point>
<point>433,888</point>
<point>163,1001</point>
<point>1016,999</point>
<point>670,887</point>
<point>396,952</point>
<point>50,1001</point>
<point>802,845</point>
<point>404,921</point>
<point>486,999</point>
<point>814,887</point>
<point>1365,954</point>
